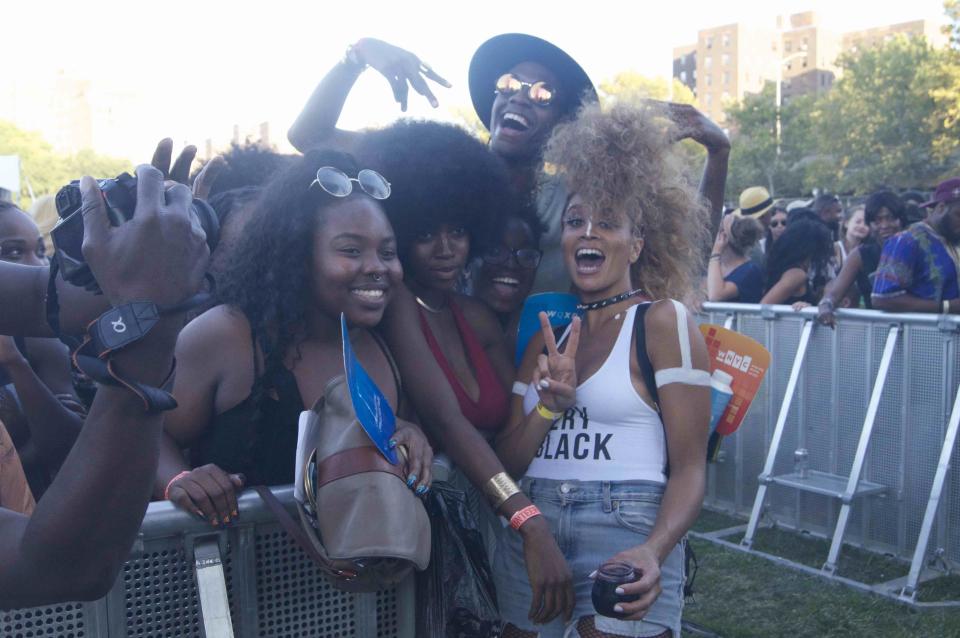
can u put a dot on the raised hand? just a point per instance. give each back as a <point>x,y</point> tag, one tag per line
<point>401,68</point>
<point>696,126</point>
<point>180,171</point>
<point>555,376</point>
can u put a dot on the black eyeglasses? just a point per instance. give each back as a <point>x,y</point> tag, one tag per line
<point>540,93</point>
<point>339,184</point>
<point>775,224</point>
<point>526,257</point>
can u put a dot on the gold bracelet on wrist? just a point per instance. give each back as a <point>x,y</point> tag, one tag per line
<point>547,413</point>
<point>499,488</point>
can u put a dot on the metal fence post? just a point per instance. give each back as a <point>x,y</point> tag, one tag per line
<point>861,456</point>
<point>764,477</point>
<point>212,589</point>
<point>909,591</point>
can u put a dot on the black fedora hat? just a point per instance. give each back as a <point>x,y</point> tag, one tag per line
<point>501,53</point>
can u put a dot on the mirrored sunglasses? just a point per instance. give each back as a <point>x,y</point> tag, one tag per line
<point>526,257</point>
<point>339,184</point>
<point>540,93</point>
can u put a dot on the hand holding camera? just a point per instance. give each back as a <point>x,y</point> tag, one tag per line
<point>118,201</point>
<point>140,241</point>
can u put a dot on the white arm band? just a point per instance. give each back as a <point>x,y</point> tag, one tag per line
<point>682,375</point>
<point>686,373</point>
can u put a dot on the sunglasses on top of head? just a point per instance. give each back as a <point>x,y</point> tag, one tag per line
<point>540,93</point>
<point>339,184</point>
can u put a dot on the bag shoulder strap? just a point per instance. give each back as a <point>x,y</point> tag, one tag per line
<point>291,526</point>
<point>643,359</point>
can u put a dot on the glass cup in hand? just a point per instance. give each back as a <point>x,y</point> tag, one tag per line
<point>610,576</point>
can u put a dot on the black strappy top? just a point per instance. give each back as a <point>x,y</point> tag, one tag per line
<point>258,436</point>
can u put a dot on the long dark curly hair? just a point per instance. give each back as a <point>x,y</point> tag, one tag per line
<point>802,240</point>
<point>440,174</point>
<point>269,277</point>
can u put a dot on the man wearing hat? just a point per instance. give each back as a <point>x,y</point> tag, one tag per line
<point>918,268</point>
<point>521,87</point>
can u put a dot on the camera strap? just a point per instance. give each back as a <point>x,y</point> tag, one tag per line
<point>114,330</point>
<point>102,371</point>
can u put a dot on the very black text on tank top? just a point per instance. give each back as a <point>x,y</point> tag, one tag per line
<point>569,438</point>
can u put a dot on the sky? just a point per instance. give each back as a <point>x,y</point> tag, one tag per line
<point>194,69</point>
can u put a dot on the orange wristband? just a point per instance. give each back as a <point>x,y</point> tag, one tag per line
<point>166,490</point>
<point>521,516</point>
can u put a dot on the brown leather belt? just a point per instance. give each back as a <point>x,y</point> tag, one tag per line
<point>356,460</point>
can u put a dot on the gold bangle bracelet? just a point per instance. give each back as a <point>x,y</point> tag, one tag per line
<point>499,488</point>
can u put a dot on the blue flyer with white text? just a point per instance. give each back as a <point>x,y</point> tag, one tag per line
<point>373,410</point>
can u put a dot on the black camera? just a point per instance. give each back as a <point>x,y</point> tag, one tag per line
<point>120,195</point>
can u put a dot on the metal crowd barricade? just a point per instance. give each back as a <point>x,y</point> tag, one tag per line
<point>255,582</point>
<point>852,442</point>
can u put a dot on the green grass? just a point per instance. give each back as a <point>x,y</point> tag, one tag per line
<point>943,588</point>
<point>855,563</point>
<point>738,595</point>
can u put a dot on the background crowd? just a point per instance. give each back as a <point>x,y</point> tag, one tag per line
<point>887,252</point>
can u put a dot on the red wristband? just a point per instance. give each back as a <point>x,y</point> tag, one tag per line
<point>521,516</point>
<point>166,490</point>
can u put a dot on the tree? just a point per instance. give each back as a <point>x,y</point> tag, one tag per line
<point>891,119</point>
<point>47,170</point>
<point>952,28</point>
<point>632,85</point>
<point>753,156</point>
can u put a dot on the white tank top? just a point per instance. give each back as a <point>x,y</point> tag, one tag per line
<point>611,434</point>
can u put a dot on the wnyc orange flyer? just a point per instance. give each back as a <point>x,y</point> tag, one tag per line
<point>746,361</point>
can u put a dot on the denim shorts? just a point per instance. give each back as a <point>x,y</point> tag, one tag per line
<point>592,521</point>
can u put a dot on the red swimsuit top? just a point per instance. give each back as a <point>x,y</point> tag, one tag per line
<point>489,411</point>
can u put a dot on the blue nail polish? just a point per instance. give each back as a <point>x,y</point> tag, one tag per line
<point>421,490</point>
<point>411,480</point>
<point>393,443</point>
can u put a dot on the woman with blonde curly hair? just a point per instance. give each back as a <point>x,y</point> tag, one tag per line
<point>623,394</point>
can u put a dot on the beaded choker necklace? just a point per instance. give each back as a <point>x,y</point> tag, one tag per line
<point>609,301</point>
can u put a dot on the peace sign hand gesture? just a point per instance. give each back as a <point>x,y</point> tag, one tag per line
<point>555,376</point>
